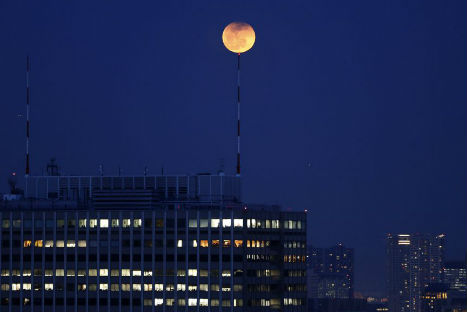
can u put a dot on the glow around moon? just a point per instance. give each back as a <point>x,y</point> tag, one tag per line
<point>238,37</point>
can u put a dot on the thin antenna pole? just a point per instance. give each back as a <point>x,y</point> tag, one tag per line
<point>238,115</point>
<point>28,68</point>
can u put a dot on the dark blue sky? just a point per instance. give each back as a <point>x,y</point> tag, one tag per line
<point>371,93</point>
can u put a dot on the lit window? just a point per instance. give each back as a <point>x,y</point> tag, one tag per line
<point>195,244</point>
<point>114,287</point>
<point>203,273</point>
<point>226,243</point>
<point>82,223</point>
<point>136,287</point>
<point>192,302</point>
<point>169,301</point>
<point>5,287</point>
<point>169,287</point>
<point>181,302</point>
<point>60,223</point>
<point>226,223</point>
<point>82,243</point>
<point>115,223</point>
<point>238,223</point>
<point>203,302</point>
<point>104,223</point>
<point>70,243</point>
<point>103,272</point>
<point>38,243</point>
<point>214,223</point>
<point>126,287</point>
<point>147,273</point>
<point>192,223</point>
<point>226,289</point>
<point>180,243</point>
<point>26,272</point>
<point>147,287</point>
<point>203,287</point>
<point>192,272</point>
<point>181,287</point>
<point>204,243</point>
<point>268,224</point>
<point>49,244</point>
<point>203,223</point>
<point>215,243</point>
<point>92,272</point>
<point>103,286</point>
<point>49,273</point>
<point>27,243</point>
<point>16,286</point>
<point>214,302</point>
<point>137,223</point>
<point>225,273</point>
<point>158,301</point>
<point>215,287</point>
<point>181,272</point>
<point>238,243</point>
<point>70,272</point>
<point>81,272</point>
<point>159,287</point>
<point>26,286</point>
<point>5,225</point>
<point>238,287</point>
<point>125,272</point>
<point>192,288</point>
<point>114,272</point>
<point>126,223</point>
<point>136,272</point>
<point>93,223</point>
<point>59,272</point>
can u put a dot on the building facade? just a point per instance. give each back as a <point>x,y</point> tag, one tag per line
<point>455,275</point>
<point>413,262</point>
<point>142,247</point>
<point>331,272</point>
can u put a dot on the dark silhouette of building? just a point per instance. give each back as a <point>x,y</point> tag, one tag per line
<point>414,261</point>
<point>149,243</point>
<point>331,272</point>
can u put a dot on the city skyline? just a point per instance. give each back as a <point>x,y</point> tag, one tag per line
<point>366,132</point>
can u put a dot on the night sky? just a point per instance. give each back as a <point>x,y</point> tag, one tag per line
<point>354,110</point>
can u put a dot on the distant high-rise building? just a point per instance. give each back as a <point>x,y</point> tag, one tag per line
<point>149,243</point>
<point>455,275</point>
<point>413,262</point>
<point>331,272</point>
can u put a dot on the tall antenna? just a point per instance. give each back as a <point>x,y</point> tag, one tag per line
<point>238,115</point>
<point>28,68</point>
<point>238,37</point>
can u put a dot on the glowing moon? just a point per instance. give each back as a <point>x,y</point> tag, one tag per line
<point>238,37</point>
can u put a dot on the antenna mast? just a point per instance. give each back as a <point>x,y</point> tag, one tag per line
<point>238,116</point>
<point>28,68</point>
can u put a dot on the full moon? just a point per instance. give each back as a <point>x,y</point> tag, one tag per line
<point>238,37</point>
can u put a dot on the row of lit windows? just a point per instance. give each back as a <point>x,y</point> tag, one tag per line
<point>82,243</point>
<point>293,301</point>
<point>137,223</point>
<point>294,258</point>
<point>123,287</point>
<point>294,244</point>
<point>203,302</point>
<point>113,272</point>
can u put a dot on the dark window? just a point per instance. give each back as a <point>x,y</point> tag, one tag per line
<point>203,258</point>
<point>136,258</point>
<point>147,257</point>
<point>102,301</point>
<point>81,258</point>
<point>170,258</point>
<point>93,258</point>
<point>70,258</point>
<point>81,301</point>
<point>126,258</point>
<point>192,258</point>
<point>103,257</point>
<point>148,243</point>
<point>59,258</point>
<point>137,243</point>
<point>114,257</point>
<point>225,258</point>
<point>181,258</point>
<point>214,258</point>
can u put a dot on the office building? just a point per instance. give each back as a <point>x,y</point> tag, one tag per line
<point>413,262</point>
<point>331,272</point>
<point>455,275</point>
<point>160,243</point>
